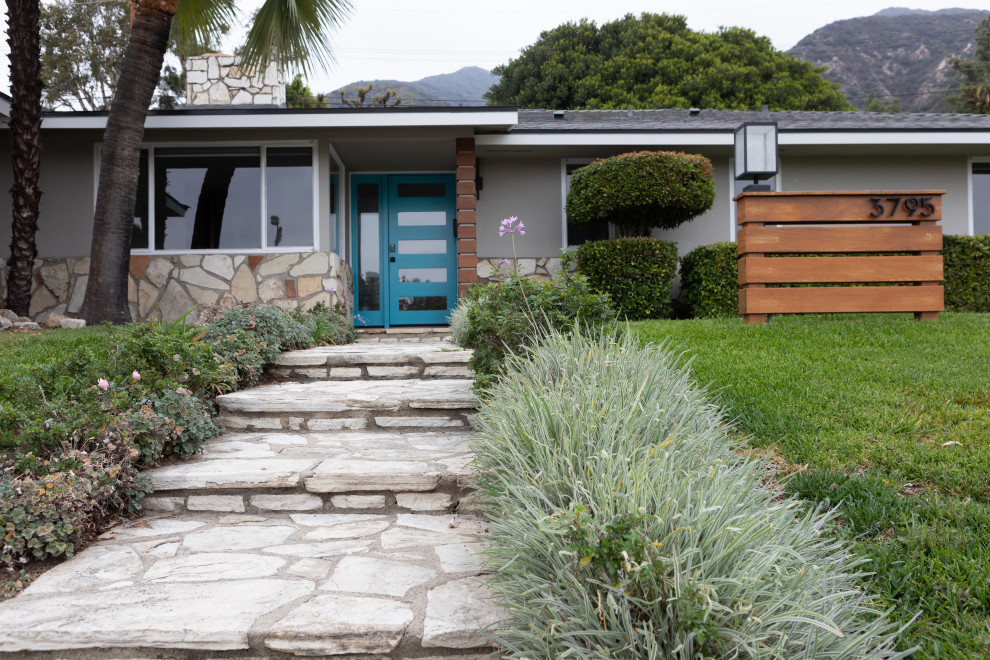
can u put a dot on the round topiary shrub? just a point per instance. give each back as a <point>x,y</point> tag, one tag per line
<point>710,280</point>
<point>635,272</point>
<point>642,190</point>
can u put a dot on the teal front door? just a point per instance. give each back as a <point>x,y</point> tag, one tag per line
<point>404,249</point>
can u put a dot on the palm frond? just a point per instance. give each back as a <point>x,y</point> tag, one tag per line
<point>293,33</point>
<point>201,21</point>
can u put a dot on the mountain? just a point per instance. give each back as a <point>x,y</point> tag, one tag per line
<point>463,87</point>
<point>896,53</point>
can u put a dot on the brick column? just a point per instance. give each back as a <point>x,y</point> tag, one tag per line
<point>467,233</point>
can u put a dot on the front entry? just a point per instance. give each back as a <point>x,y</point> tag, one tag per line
<point>404,248</point>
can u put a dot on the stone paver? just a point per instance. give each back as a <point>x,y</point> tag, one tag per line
<point>281,540</point>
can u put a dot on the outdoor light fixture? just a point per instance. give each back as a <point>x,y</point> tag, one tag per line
<point>756,152</point>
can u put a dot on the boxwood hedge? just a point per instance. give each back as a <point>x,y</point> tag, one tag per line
<point>635,272</point>
<point>967,273</point>
<point>709,280</point>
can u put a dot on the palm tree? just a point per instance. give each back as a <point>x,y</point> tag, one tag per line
<point>25,127</point>
<point>291,32</point>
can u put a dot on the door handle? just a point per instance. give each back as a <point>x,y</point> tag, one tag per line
<point>391,248</point>
<point>455,228</point>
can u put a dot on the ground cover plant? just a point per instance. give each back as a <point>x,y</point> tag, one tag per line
<point>888,419</point>
<point>626,524</point>
<point>83,412</point>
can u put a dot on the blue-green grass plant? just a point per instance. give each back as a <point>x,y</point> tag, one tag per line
<point>626,523</point>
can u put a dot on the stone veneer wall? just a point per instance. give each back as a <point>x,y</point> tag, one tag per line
<point>542,268</point>
<point>164,287</point>
<point>219,80</point>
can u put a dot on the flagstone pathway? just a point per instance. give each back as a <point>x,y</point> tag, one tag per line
<point>332,518</point>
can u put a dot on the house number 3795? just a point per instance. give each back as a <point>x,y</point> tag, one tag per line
<point>910,205</point>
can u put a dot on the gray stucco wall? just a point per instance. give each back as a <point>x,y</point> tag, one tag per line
<point>65,223</point>
<point>948,173</point>
<point>530,188</point>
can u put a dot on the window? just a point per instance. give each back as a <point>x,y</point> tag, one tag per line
<point>577,233</point>
<point>980,191</point>
<point>218,198</point>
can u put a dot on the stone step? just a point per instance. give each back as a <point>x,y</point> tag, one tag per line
<point>276,586</point>
<point>374,362</point>
<point>258,473</point>
<point>403,335</point>
<point>354,405</point>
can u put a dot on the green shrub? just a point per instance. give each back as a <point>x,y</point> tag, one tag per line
<point>641,190</point>
<point>710,280</point>
<point>329,327</point>
<point>503,318</point>
<point>626,524</point>
<point>967,272</point>
<point>248,338</point>
<point>635,272</point>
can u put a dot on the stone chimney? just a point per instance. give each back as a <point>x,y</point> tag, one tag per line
<point>214,79</point>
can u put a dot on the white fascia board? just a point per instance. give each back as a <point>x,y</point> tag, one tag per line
<point>726,139</point>
<point>885,138</point>
<point>494,119</point>
<point>602,139</point>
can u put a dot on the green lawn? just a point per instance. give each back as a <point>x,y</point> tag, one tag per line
<point>887,418</point>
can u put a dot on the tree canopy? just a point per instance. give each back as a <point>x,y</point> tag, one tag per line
<point>656,61</point>
<point>974,95</point>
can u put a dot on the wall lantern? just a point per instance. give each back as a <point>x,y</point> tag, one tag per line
<point>756,153</point>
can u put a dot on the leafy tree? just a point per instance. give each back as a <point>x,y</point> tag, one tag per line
<point>81,66</point>
<point>24,36</point>
<point>655,61</point>
<point>874,104</point>
<point>290,32</point>
<point>299,95</point>
<point>973,96</point>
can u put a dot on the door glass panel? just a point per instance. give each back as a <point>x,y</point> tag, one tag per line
<point>207,198</point>
<point>422,303</point>
<point>290,197</point>
<point>421,190</point>
<point>369,248</point>
<point>423,247</point>
<point>422,218</point>
<point>422,274</point>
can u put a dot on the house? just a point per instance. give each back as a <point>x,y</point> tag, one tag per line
<point>398,209</point>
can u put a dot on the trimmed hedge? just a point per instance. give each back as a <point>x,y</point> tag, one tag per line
<point>635,272</point>
<point>641,190</point>
<point>967,273</point>
<point>709,280</point>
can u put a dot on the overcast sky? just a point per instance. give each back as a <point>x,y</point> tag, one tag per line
<point>410,39</point>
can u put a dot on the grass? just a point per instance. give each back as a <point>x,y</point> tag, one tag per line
<point>888,419</point>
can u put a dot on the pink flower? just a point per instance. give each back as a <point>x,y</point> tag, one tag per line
<point>136,375</point>
<point>104,384</point>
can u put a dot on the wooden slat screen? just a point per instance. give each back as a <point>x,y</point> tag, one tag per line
<point>900,222</point>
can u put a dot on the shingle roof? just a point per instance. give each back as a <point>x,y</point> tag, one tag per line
<point>618,121</point>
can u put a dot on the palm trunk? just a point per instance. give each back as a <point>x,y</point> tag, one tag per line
<point>25,127</point>
<point>106,291</point>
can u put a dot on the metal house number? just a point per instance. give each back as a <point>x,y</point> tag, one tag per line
<point>909,204</point>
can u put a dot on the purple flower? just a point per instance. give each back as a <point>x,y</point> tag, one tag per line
<point>504,262</point>
<point>511,225</point>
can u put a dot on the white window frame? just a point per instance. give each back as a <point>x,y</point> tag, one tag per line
<point>343,249</point>
<point>971,229</point>
<point>778,177</point>
<point>263,147</point>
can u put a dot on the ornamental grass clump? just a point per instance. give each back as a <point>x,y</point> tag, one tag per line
<point>625,524</point>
